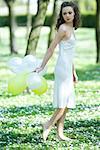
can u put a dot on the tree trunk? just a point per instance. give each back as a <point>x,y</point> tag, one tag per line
<point>53,23</point>
<point>29,19</point>
<point>98,31</point>
<point>11,26</point>
<point>36,27</point>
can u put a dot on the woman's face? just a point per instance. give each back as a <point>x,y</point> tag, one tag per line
<point>68,14</point>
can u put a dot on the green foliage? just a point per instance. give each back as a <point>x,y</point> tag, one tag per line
<point>21,116</point>
<point>88,20</point>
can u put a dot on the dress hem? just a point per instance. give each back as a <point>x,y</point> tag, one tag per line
<point>64,107</point>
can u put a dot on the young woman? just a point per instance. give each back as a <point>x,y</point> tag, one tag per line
<point>64,96</point>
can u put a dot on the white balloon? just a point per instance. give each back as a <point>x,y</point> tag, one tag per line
<point>34,81</point>
<point>30,59</point>
<point>38,62</point>
<point>29,63</point>
<point>14,64</point>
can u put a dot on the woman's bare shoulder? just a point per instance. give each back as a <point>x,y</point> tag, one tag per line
<point>64,27</point>
<point>62,30</point>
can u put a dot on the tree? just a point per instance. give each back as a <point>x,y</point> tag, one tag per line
<point>10,4</point>
<point>36,27</point>
<point>98,31</point>
<point>29,18</point>
<point>52,25</point>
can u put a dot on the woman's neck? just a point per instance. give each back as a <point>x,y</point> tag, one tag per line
<point>70,24</point>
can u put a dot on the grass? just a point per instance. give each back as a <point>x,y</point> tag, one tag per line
<point>21,116</point>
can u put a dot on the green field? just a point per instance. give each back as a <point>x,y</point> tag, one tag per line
<point>21,116</point>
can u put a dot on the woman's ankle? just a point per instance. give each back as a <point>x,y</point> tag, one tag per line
<point>60,132</point>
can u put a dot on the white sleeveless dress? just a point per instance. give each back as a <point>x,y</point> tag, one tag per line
<point>64,94</point>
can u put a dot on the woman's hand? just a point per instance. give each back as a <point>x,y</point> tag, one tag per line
<point>75,78</point>
<point>37,70</point>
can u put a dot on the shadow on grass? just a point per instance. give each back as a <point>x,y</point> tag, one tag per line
<point>46,109</point>
<point>81,130</point>
<point>49,76</point>
<point>8,55</point>
<point>5,55</point>
<point>91,72</point>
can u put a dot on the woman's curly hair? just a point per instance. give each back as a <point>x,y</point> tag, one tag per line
<point>76,21</point>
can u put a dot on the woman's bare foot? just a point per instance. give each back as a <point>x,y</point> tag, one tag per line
<point>60,134</point>
<point>63,137</point>
<point>46,131</point>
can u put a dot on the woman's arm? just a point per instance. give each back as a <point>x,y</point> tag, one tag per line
<point>74,71</point>
<point>58,37</point>
<point>75,77</point>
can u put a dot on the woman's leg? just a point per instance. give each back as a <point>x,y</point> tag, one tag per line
<point>48,125</point>
<point>60,126</point>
